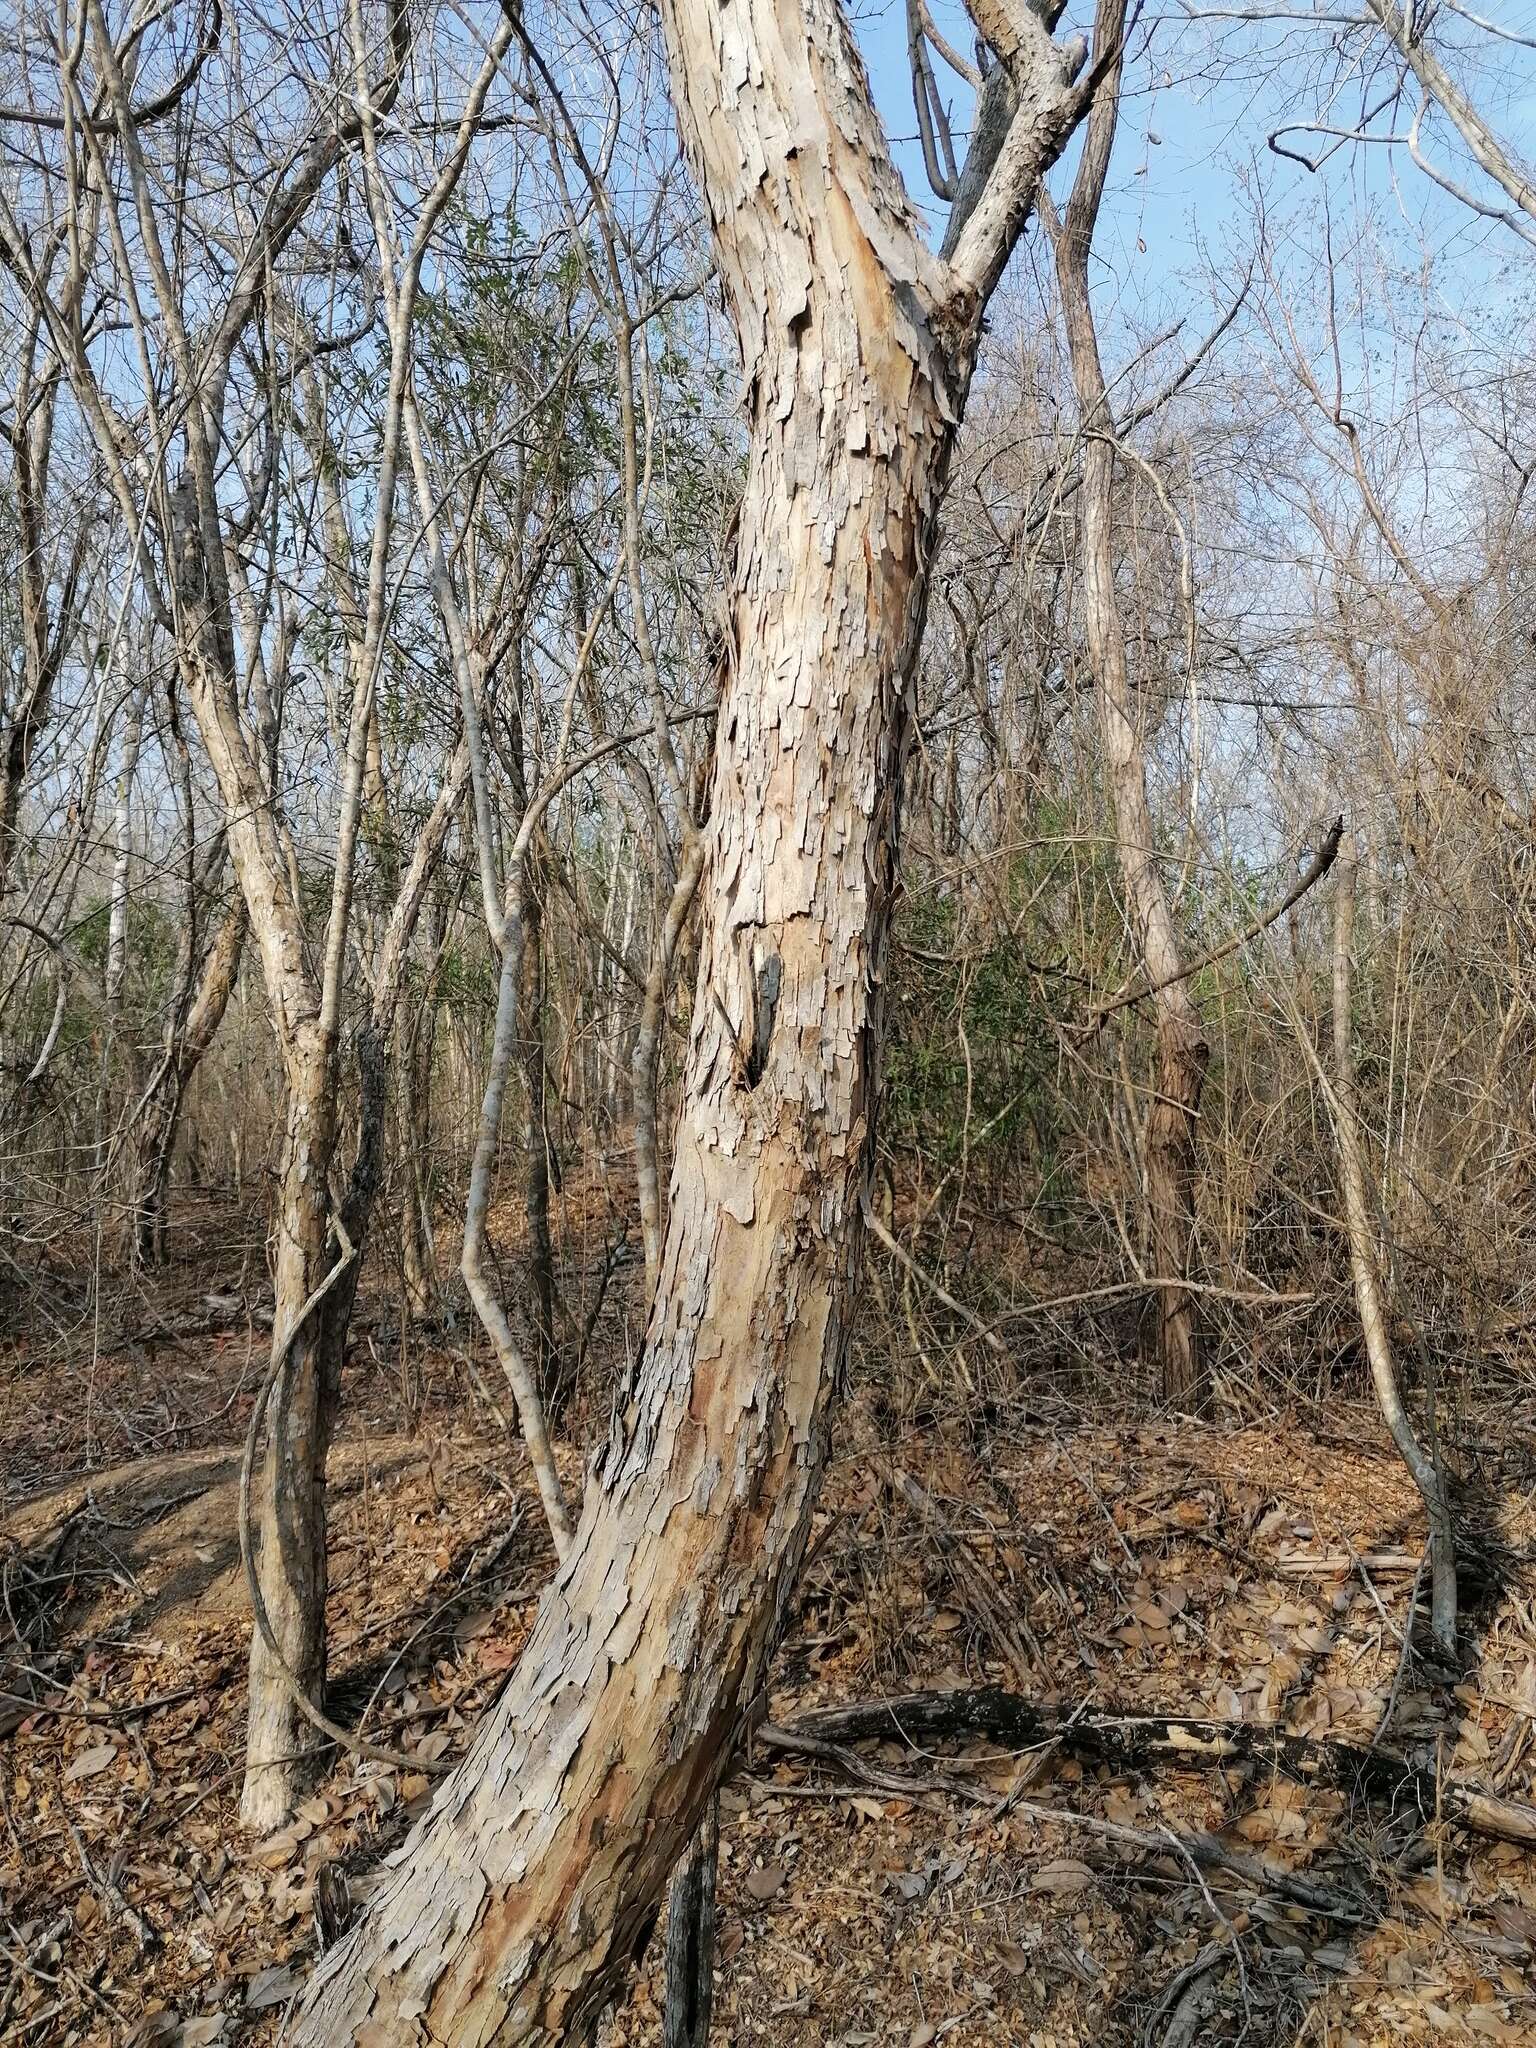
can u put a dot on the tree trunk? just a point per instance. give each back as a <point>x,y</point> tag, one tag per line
<point>418,1171</point>
<point>291,1515</point>
<point>1182,1050</point>
<point>160,1116</point>
<point>416,1254</point>
<point>122,863</point>
<point>553,1384</point>
<point>515,1909</point>
<point>510,1352</point>
<point>1370,1299</point>
<point>647,1053</point>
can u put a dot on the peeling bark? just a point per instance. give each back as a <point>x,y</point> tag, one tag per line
<point>514,1910</point>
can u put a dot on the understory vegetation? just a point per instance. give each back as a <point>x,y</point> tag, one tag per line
<point>848,1049</point>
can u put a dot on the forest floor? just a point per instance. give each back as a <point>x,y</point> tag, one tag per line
<point>1085,1558</point>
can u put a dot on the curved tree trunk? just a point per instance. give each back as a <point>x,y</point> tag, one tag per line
<point>1182,1050</point>
<point>514,1911</point>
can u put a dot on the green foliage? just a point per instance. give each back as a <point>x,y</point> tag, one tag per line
<point>152,942</point>
<point>466,978</point>
<point>971,1055</point>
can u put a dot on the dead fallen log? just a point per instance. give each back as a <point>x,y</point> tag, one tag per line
<point>1129,1743</point>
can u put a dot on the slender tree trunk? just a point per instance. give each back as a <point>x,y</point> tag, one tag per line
<point>416,1196</point>
<point>1182,1049</point>
<point>160,1116</point>
<point>301,1417</point>
<point>511,1355</point>
<point>647,1052</point>
<point>624,1064</point>
<point>291,1512</point>
<point>122,863</point>
<point>541,1263</point>
<point>416,1067</point>
<point>1370,1300</point>
<point>517,1905</point>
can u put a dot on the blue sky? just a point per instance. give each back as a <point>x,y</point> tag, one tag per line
<point>1180,208</point>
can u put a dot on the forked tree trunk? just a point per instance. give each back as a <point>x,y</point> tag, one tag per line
<point>514,1911</point>
<point>1182,1049</point>
<point>291,1512</point>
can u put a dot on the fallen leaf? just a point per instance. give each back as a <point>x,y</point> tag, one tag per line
<point>90,1762</point>
<point>155,2030</point>
<point>1062,1876</point>
<point>276,1850</point>
<point>272,1986</point>
<point>762,1884</point>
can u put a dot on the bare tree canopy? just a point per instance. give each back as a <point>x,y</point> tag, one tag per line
<point>766,812</point>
